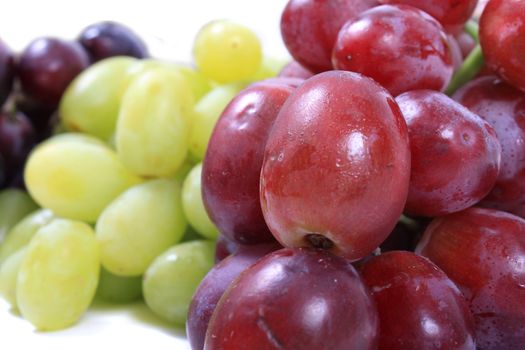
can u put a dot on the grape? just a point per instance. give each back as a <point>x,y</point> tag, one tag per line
<point>294,70</point>
<point>20,234</point>
<point>295,298</point>
<point>502,38</point>
<point>59,274</point>
<point>309,28</point>
<point>462,148</point>
<point>7,71</point>
<point>118,289</point>
<point>139,225</point>
<point>15,204</point>
<point>17,138</point>
<point>76,176</point>
<point>226,51</point>
<point>270,68</point>
<point>173,277</point>
<point>153,123</point>
<point>232,167</point>
<point>206,113</point>
<point>106,39</point>
<point>198,83</point>
<point>91,103</point>
<point>39,114</point>
<point>452,14</point>
<point>47,66</point>
<point>418,58</point>
<point>337,146</point>
<point>183,170</point>
<point>193,205</point>
<point>9,274</point>
<point>224,247</point>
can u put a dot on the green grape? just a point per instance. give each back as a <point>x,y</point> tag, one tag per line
<point>76,176</point>
<point>226,51</point>
<point>15,204</point>
<point>139,225</point>
<point>197,82</point>
<point>206,113</point>
<point>270,68</point>
<point>171,280</point>
<point>59,274</point>
<point>194,207</point>
<point>153,124</point>
<point>23,231</point>
<point>8,276</point>
<point>184,170</point>
<point>118,289</point>
<point>91,102</point>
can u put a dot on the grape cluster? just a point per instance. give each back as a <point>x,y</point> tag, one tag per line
<point>113,209</point>
<point>386,182</point>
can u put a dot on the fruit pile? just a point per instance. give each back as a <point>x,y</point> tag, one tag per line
<point>368,197</point>
<point>371,204</point>
<point>113,208</point>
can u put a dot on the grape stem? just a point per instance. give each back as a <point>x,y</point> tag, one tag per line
<point>468,70</point>
<point>472,28</point>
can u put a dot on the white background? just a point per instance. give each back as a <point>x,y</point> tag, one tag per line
<point>168,27</point>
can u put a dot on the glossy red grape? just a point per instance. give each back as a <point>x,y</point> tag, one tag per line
<point>466,43</point>
<point>215,284</point>
<point>7,71</point>
<point>17,138</point>
<point>502,38</point>
<point>295,70</point>
<point>483,252</point>
<point>107,39</point>
<point>224,247</point>
<point>452,14</point>
<point>295,298</point>
<point>47,66</point>
<point>419,307</point>
<point>232,165</point>
<point>399,46</point>
<point>309,28</point>
<point>337,147</point>
<point>455,154</point>
<point>503,106</point>
<point>455,52</point>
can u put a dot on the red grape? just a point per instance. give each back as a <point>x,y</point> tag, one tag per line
<point>295,298</point>
<point>337,147</point>
<point>213,286</point>
<point>455,154</point>
<point>232,166</point>
<point>452,14</point>
<point>419,307</point>
<point>309,28</point>
<point>107,39</point>
<point>502,38</point>
<point>7,71</point>
<point>224,247</point>
<point>400,47</point>
<point>503,106</point>
<point>483,252</point>
<point>47,66</point>
<point>466,43</point>
<point>295,70</point>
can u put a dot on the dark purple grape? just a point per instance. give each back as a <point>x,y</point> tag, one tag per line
<point>17,138</point>
<point>7,70</point>
<point>107,39</point>
<point>38,114</point>
<point>47,66</point>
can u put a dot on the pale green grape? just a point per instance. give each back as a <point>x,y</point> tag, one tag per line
<point>9,274</point>
<point>91,102</point>
<point>206,113</point>
<point>270,68</point>
<point>153,124</point>
<point>193,205</point>
<point>59,274</point>
<point>184,170</point>
<point>139,225</point>
<point>226,51</point>
<point>15,204</point>
<point>76,176</point>
<point>23,231</point>
<point>171,280</point>
<point>118,289</point>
